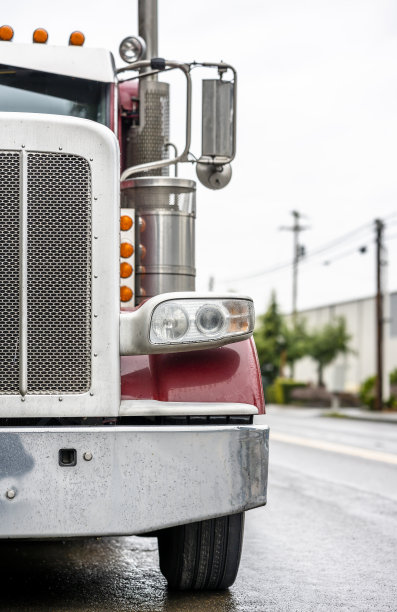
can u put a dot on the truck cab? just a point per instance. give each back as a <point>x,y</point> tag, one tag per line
<point>130,404</point>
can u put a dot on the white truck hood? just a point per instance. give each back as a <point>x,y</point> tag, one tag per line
<point>78,62</point>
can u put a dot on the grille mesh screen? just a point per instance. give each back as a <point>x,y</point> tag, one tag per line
<point>9,271</point>
<point>59,273</point>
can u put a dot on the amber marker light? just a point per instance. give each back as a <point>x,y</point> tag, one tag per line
<point>40,35</point>
<point>125,222</point>
<point>125,270</point>
<point>6,32</point>
<point>125,294</point>
<point>238,326</point>
<point>77,39</point>
<point>126,249</point>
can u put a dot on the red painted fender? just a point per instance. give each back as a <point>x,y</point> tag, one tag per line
<point>227,374</point>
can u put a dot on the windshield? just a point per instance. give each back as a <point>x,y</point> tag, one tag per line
<point>30,91</point>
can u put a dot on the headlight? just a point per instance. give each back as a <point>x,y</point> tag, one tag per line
<point>185,321</point>
<point>200,320</point>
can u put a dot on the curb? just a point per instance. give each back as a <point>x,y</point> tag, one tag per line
<point>335,413</point>
<point>368,419</point>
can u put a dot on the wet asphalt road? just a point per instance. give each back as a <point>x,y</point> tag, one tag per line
<point>326,541</point>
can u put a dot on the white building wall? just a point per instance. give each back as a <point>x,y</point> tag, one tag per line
<point>347,372</point>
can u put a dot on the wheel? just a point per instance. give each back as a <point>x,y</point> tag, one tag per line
<point>203,555</point>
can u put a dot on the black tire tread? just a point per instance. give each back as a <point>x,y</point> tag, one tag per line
<point>204,555</point>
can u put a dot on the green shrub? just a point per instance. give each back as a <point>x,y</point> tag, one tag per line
<point>393,377</point>
<point>392,403</point>
<point>280,391</point>
<point>367,392</point>
<point>270,396</point>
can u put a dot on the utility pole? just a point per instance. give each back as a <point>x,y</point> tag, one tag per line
<point>298,253</point>
<point>379,228</point>
<point>296,230</point>
<point>211,283</point>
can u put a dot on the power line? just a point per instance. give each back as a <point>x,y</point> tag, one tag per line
<point>264,272</point>
<point>344,237</point>
<point>362,250</point>
<point>286,264</point>
<point>392,223</point>
<point>393,214</point>
<point>329,246</point>
<point>320,250</point>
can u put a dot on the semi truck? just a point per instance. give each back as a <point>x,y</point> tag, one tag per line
<point>130,403</point>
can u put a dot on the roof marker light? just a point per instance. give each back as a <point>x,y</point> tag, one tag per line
<point>6,32</point>
<point>40,35</point>
<point>77,39</point>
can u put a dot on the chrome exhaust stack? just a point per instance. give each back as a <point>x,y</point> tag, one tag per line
<point>165,210</point>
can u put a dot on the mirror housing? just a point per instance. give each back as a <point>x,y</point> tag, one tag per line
<point>217,118</point>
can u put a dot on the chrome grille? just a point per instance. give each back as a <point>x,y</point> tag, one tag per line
<point>9,272</point>
<point>59,273</point>
<point>56,192</point>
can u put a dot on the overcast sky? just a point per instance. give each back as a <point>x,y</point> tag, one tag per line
<point>317,130</point>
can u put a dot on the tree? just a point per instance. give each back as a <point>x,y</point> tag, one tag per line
<point>296,342</point>
<point>278,343</point>
<point>325,344</point>
<point>270,342</point>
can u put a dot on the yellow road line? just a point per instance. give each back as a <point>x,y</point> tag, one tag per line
<point>334,447</point>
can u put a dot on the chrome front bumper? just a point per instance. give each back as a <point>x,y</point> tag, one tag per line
<point>139,479</point>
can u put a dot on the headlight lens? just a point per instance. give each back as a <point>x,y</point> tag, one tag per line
<point>169,324</point>
<point>211,320</point>
<point>200,320</point>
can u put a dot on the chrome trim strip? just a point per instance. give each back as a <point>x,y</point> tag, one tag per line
<point>157,408</point>
<point>159,181</point>
<point>23,276</point>
<point>260,419</point>
<point>116,107</point>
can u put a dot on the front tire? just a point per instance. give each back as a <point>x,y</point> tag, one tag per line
<point>203,555</point>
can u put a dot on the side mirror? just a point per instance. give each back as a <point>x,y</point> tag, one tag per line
<point>218,129</point>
